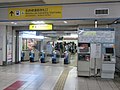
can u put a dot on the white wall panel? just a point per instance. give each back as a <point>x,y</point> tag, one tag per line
<point>84,11</point>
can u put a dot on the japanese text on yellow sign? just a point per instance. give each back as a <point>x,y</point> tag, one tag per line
<point>41,27</point>
<point>35,12</point>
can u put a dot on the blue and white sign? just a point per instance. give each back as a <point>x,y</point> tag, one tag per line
<point>97,35</point>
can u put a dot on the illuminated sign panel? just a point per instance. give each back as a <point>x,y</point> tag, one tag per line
<point>41,27</point>
<point>34,12</point>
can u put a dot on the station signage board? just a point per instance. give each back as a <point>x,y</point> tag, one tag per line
<point>34,12</point>
<point>41,27</point>
<point>97,35</point>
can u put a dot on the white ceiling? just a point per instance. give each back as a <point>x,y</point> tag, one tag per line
<point>61,22</point>
<point>57,1</point>
<point>73,1</point>
<point>4,1</point>
<point>72,22</point>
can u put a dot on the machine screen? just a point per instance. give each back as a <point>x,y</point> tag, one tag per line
<point>109,50</point>
<point>84,47</point>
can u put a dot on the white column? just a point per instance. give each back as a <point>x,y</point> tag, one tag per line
<point>2,44</point>
<point>9,45</point>
<point>14,45</point>
<point>20,47</point>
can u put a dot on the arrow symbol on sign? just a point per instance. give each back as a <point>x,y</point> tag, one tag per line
<point>11,13</point>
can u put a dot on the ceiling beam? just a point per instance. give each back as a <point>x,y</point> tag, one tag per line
<point>21,3</point>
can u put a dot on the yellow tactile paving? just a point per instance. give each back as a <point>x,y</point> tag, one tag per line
<point>61,81</point>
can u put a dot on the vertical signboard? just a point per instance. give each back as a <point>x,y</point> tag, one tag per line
<point>9,45</point>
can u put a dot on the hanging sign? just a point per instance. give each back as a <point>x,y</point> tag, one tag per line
<point>41,27</point>
<point>35,12</point>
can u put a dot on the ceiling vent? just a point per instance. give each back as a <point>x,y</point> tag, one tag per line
<point>102,11</point>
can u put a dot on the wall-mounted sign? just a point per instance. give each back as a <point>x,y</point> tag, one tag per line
<point>97,35</point>
<point>41,27</point>
<point>35,12</point>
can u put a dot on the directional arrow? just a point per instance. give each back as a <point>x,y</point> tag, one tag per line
<point>11,13</point>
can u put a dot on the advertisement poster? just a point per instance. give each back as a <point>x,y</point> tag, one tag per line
<point>29,44</point>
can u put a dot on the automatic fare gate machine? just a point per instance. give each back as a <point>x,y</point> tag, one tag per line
<point>96,52</point>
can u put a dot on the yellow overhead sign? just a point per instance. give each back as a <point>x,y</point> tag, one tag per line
<point>35,12</point>
<point>41,27</point>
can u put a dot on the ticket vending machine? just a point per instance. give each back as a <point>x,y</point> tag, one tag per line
<point>96,53</point>
<point>83,59</point>
<point>108,61</point>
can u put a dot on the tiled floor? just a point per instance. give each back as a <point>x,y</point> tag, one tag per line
<point>37,76</point>
<point>45,76</point>
<point>90,83</point>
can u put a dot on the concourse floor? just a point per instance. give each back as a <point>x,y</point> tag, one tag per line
<point>47,76</point>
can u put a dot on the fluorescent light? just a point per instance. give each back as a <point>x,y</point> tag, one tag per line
<point>115,22</point>
<point>38,22</point>
<point>96,24</point>
<point>31,36</point>
<point>53,32</point>
<point>15,23</point>
<point>107,26</point>
<point>65,21</point>
<point>12,22</point>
